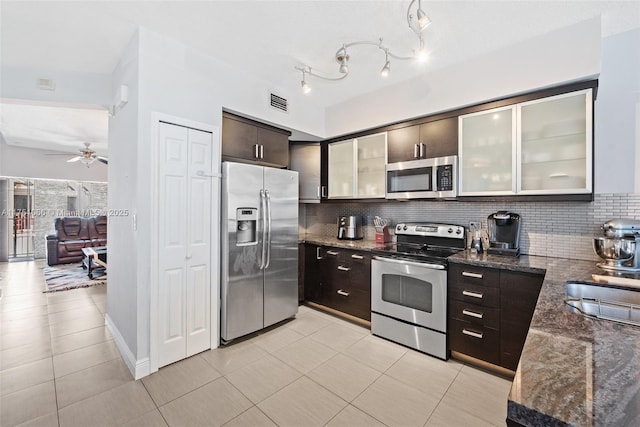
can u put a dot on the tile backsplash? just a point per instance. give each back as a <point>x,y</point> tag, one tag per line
<point>557,229</point>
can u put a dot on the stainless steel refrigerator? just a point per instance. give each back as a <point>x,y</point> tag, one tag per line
<point>259,259</point>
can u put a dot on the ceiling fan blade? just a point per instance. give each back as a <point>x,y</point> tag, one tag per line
<point>103,160</point>
<point>74,159</point>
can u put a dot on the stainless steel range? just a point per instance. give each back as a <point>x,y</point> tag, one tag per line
<point>409,286</point>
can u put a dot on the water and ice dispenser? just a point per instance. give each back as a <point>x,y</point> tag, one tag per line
<point>246,220</point>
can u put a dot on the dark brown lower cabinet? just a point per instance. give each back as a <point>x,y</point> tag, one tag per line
<point>339,278</point>
<point>490,311</point>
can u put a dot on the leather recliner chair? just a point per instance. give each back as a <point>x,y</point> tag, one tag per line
<point>72,234</point>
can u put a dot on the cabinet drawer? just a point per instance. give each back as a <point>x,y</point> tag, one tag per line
<point>476,314</point>
<point>475,294</point>
<point>352,301</point>
<point>471,274</point>
<point>473,340</point>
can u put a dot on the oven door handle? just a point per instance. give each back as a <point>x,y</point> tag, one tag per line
<point>405,262</point>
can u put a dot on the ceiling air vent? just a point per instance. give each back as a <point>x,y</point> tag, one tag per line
<point>279,103</point>
<point>45,84</point>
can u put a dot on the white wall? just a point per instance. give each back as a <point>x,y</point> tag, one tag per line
<point>124,242</point>
<point>617,115</point>
<point>564,55</point>
<point>71,87</point>
<point>31,163</point>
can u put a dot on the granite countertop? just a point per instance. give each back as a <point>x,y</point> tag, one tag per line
<point>574,370</point>
<point>361,245</point>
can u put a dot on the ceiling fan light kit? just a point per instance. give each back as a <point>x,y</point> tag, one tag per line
<point>417,21</point>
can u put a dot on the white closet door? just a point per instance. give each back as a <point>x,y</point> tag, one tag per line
<point>199,242</point>
<point>185,242</point>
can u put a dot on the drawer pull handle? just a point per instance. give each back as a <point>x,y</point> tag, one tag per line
<point>472,333</point>
<point>334,253</point>
<point>354,256</point>
<point>341,268</point>
<point>472,294</point>
<point>472,313</point>
<point>318,256</point>
<point>343,293</point>
<point>474,275</point>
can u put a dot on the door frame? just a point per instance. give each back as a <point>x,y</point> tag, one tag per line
<point>156,119</point>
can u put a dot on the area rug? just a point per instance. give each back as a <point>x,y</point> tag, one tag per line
<point>70,276</point>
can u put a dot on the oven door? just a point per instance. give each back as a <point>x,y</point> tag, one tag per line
<point>411,291</point>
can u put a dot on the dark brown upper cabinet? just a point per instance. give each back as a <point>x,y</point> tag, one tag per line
<point>424,141</point>
<point>244,140</point>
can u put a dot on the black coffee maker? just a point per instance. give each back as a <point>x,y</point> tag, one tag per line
<point>504,233</point>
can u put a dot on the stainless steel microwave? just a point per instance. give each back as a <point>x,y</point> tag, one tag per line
<point>423,179</point>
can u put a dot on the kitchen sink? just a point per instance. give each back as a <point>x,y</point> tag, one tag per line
<point>606,302</point>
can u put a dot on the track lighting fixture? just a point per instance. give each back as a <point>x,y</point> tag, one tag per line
<point>387,65</point>
<point>417,21</point>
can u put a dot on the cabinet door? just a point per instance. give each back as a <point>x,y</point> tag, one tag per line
<point>439,138</point>
<point>315,289</point>
<point>518,297</point>
<point>305,158</point>
<point>239,139</point>
<point>371,162</point>
<point>402,144</point>
<point>555,144</point>
<point>487,154</point>
<point>274,147</point>
<point>341,169</point>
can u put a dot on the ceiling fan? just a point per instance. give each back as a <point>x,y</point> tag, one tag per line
<point>86,156</point>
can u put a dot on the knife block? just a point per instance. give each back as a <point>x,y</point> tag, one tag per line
<point>384,236</point>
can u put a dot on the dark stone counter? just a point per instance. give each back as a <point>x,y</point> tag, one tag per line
<point>360,245</point>
<point>574,370</point>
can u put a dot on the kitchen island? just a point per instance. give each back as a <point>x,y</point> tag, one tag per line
<point>573,370</point>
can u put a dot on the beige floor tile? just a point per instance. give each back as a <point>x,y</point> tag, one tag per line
<point>79,340</point>
<point>252,417</point>
<point>302,403</point>
<point>91,381</point>
<point>395,403</point>
<point>150,419</point>
<point>481,394</point>
<point>38,311</point>
<point>178,379</point>
<point>49,420</point>
<point>85,357</point>
<point>24,325</point>
<point>25,376</point>
<point>263,378</point>
<point>75,314</point>
<point>353,417</point>
<point>375,352</point>
<point>307,322</point>
<point>425,373</point>
<point>339,336</point>
<point>39,335</point>
<point>112,407</point>
<point>305,354</point>
<point>211,405</point>
<point>70,295</point>
<point>447,415</point>
<point>27,404</point>
<point>277,338</point>
<point>344,376</point>
<point>69,305</point>
<point>72,326</point>
<point>233,356</point>
<point>18,356</point>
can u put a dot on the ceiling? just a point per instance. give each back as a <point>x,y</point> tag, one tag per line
<point>269,38</point>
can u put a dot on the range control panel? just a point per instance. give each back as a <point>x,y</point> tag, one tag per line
<point>431,229</point>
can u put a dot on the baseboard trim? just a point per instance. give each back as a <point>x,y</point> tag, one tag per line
<point>139,368</point>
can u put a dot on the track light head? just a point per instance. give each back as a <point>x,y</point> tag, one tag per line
<point>305,87</point>
<point>385,69</point>
<point>343,59</point>
<point>423,20</point>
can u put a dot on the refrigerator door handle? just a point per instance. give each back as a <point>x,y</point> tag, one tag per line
<point>268,197</point>
<point>263,208</point>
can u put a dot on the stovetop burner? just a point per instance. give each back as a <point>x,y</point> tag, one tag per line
<point>428,242</point>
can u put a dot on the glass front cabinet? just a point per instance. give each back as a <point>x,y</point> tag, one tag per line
<point>537,147</point>
<point>357,167</point>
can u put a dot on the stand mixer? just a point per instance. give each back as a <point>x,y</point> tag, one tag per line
<point>620,245</point>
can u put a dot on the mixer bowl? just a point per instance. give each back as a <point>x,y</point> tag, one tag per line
<point>615,250</point>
